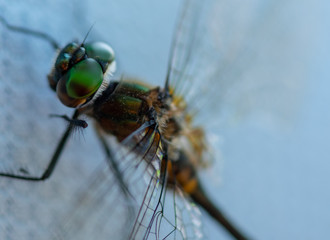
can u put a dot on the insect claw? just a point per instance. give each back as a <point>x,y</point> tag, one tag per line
<point>74,122</point>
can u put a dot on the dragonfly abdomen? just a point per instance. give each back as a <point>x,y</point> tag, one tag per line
<point>182,173</point>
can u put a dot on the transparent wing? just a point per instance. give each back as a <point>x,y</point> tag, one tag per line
<point>233,60</point>
<point>181,211</point>
<point>91,210</point>
<point>184,43</point>
<point>141,214</point>
<point>238,57</point>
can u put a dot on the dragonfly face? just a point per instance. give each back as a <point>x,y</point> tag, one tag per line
<point>80,71</point>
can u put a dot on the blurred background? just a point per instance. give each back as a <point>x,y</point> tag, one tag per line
<point>269,129</point>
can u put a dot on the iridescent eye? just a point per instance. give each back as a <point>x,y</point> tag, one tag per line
<point>84,78</point>
<point>101,52</point>
<point>62,61</point>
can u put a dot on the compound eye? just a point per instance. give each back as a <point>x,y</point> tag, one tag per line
<point>83,79</point>
<point>63,59</point>
<point>101,52</point>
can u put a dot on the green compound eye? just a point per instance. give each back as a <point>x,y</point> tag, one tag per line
<point>101,52</point>
<point>84,78</point>
<point>62,61</point>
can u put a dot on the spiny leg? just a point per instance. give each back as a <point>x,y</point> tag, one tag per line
<point>110,159</point>
<point>54,160</point>
<point>65,136</point>
<point>73,122</point>
<point>112,163</point>
<point>27,31</point>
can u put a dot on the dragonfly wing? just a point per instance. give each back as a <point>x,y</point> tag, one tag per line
<point>101,199</point>
<point>180,213</point>
<point>184,43</point>
<point>148,212</point>
<point>228,56</point>
<point>92,209</point>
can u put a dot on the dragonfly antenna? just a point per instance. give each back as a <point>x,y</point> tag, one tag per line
<point>38,34</point>
<point>90,29</point>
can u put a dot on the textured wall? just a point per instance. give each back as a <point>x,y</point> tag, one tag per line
<point>274,120</point>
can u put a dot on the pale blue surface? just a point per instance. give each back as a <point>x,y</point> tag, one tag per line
<point>274,169</point>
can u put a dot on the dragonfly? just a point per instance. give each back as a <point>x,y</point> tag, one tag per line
<point>150,149</point>
<point>151,124</point>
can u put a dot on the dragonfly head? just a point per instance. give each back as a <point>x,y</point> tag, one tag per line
<point>80,70</point>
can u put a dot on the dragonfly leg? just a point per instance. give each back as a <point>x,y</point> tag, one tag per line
<point>72,122</point>
<point>110,159</point>
<point>27,31</point>
<point>112,162</point>
<point>54,160</point>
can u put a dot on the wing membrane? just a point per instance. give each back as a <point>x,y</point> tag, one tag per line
<point>228,55</point>
<point>138,159</point>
